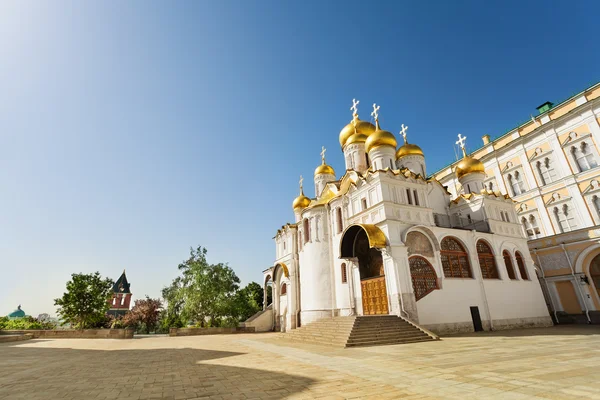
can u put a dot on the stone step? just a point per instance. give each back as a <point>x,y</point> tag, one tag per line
<point>361,335</point>
<point>388,342</point>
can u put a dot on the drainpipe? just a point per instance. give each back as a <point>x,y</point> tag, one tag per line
<point>587,312</point>
<point>537,256</point>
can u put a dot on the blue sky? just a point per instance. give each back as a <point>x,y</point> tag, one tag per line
<point>130,131</point>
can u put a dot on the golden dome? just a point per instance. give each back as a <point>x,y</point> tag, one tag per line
<point>364,127</point>
<point>468,165</point>
<point>357,138</point>
<point>380,138</point>
<point>409,150</point>
<point>300,202</point>
<point>324,169</point>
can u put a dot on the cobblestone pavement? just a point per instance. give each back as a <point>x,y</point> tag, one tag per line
<point>553,363</point>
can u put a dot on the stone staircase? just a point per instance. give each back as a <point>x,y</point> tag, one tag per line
<point>360,331</point>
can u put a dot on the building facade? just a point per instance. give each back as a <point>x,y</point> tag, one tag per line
<point>549,166</point>
<point>384,239</point>
<point>121,299</point>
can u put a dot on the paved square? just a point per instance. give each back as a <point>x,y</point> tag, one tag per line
<point>554,363</point>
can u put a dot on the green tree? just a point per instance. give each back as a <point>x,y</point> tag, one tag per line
<point>86,300</point>
<point>248,301</point>
<point>207,289</point>
<point>171,315</point>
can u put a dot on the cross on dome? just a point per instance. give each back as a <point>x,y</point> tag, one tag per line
<point>374,113</point>
<point>354,107</point>
<point>301,180</point>
<point>403,132</point>
<point>323,150</point>
<point>461,142</point>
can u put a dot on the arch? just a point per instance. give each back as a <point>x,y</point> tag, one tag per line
<point>283,290</point>
<point>455,259</point>
<point>418,243</point>
<point>487,263</point>
<point>267,279</point>
<point>521,265</point>
<point>375,236</point>
<point>282,266</point>
<point>424,230</point>
<point>509,265</point>
<point>594,272</point>
<point>423,276</point>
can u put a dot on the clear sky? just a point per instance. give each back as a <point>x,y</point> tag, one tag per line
<point>130,131</point>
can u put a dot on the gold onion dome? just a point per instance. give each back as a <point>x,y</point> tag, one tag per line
<point>324,169</point>
<point>357,138</point>
<point>301,202</point>
<point>380,138</point>
<point>363,127</point>
<point>408,149</point>
<point>468,165</point>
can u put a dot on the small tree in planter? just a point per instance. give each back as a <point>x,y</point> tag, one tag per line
<point>86,300</point>
<point>144,314</point>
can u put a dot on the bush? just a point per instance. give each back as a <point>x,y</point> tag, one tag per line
<point>25,323</point>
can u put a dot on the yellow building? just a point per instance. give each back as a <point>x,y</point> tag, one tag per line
<point>550,167</point>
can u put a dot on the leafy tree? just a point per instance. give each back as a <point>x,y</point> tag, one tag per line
<point>25,323</point>
<point>171,315</point>
<point>207,289</point>
<point>247,302</point>
<point>144,314</point>
<point>86,300</point>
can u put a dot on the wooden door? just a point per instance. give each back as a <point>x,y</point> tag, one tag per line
<point>374,296</point>
<point>568,297</point>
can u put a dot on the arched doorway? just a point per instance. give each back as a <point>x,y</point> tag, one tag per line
<point>363,243</point>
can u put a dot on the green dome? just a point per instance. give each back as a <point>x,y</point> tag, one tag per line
<point>18,313</point>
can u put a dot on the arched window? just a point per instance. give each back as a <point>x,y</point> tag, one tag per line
<point>564,218</point>
<point>509,266</point>
<point>306,224</point>
<point>424,278</point>
<point>283,289</point>
<point>340,224</point>
<point>521,265</point>
<point>486,261</point>
<point>455,260</point>
<point>538,166</point>
<point>416,197</point>
<point>596,203</point>
<point>584,157</point>
<point>344,273</point>
<point>491,186</point>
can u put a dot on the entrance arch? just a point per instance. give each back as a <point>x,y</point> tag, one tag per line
<point>364,242</point>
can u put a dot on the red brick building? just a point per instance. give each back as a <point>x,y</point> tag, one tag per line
<point>120,302</point>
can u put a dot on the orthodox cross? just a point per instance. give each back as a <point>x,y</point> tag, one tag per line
<point>354,107</point>
<point>374,113</point>
<point>461,142</point>
<point>301,180</point>
<point>323,150</point>
<point>403,132</point>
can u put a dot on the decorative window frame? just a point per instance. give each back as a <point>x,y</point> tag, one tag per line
<point>593,190</point>
<point>525,212</point>
<point>511,171</point>
<point>575,139</point>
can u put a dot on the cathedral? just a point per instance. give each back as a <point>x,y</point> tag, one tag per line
<point>385,239</point>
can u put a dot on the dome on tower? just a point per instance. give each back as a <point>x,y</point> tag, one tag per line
<point>357,138</point>
<point>18,313</point>
<point>409,150</point>
<point>469,165</point>
<point>324,169</point>
<point>363,127</point>
<point>380,138</point>
<point>300,202</point>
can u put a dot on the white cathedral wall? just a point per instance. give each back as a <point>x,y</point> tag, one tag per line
<point>315,270</point>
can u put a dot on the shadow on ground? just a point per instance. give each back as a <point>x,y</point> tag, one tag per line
<point>184,373</point>
<point>563,330</point>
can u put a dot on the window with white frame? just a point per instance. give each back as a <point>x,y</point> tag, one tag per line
<point>531,226</point>
<point>596,204</point>
<point>565,218</point>
<point>515,181</point>
<point>545,171</point>
<point>584,157</point>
